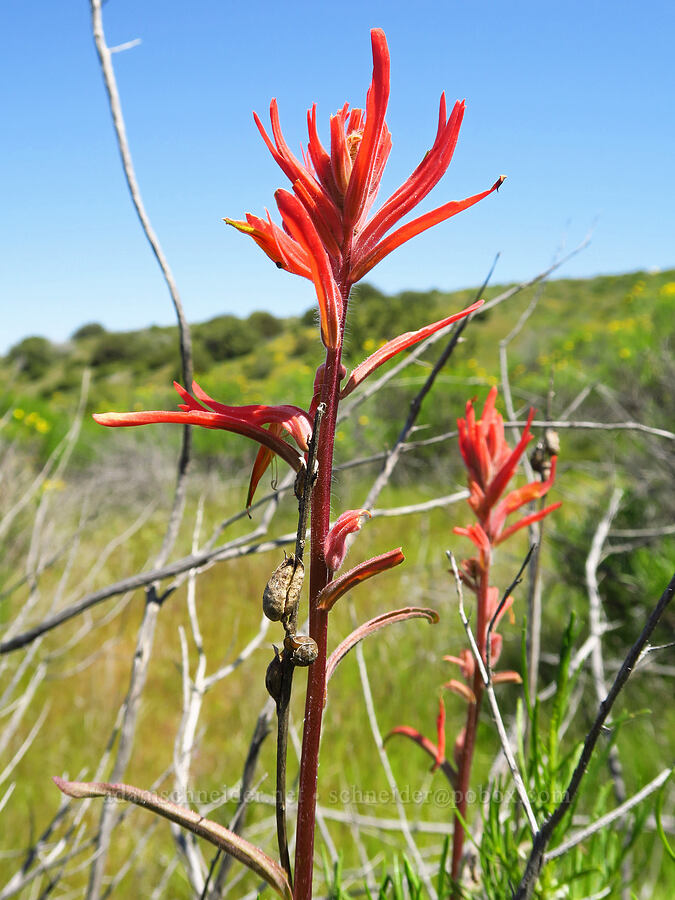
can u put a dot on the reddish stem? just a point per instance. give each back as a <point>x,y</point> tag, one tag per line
<point>318,629</point>
<point>473,712</point>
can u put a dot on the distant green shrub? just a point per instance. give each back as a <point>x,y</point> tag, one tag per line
<point>114,347</point>
<point>33,356</point>
<point>305,343</point>
<point>227,337</point>
<point>91,329</point>
<point>309,318</point>
<point>146,350</point>
<point>265,324</point>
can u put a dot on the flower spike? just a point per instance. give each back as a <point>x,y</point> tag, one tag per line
<point>335,190</point>
<point>491,464</point>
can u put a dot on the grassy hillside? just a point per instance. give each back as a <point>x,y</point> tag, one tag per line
<point>582,331</point>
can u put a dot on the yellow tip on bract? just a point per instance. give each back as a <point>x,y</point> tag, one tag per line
<point>240,226</point>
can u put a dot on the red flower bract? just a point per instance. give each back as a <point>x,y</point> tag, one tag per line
<point>334,243</point>
<point>245,420</point>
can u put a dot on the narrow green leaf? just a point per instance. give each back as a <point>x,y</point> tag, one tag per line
<point>561,694</point>
<point>440,884</point>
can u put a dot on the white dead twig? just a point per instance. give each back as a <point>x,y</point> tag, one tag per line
<point>494,706</point>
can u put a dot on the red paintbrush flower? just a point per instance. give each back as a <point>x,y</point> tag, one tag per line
<point>491,464</point>
<point>327,235</point>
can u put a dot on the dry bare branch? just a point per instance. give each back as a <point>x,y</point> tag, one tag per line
<point>494,706</point>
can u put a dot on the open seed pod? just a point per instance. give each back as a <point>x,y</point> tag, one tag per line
<point>302,647</point>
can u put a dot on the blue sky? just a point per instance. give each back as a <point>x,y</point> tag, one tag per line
<point>572,100</point>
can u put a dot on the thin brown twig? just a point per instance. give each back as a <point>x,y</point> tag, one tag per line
<point>597,626</point>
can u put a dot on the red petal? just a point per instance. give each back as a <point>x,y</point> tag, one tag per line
<point>477,535</point>
<point>428,746</point>
<point>262,461</point>
<point>427,174</point>
<point>506,677</point>
<point>294,420</point>
<point>341,163</point>
<point>402,342</point>
<point>319,155</point>
<point>360,182</point>
<point>496,487</point>
<point>462,690</point>
<point>411,229</point>
<point>466,663</point>
<point>535,517</point>
<point>297,172</point>
<point>238,847</point>
<point>206,420</point>
<point>299,223</point>
<point>532,491</point>
<point>440,733</point>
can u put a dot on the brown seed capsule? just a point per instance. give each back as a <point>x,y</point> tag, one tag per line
<point>552,442</point>
<point>302,647</point>
<point>282,593</point>
<point>274,676</point>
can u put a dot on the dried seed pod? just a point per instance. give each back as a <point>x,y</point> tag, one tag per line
<point>552,442</point>
<point>538,458</point>
<point>282,592</point>
<point>274,676</point>
<point>302,647</point>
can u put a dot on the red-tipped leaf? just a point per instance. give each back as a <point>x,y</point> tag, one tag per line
<point>389,618</point>
<point>329,596</point>
<point>402,342</point>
